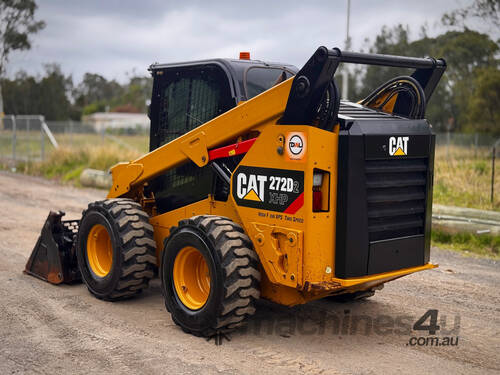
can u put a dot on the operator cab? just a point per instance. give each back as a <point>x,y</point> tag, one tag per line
<point>185,96</point>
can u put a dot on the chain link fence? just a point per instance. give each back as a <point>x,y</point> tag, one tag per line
<point>25,138</point>
<point>31,138</point>
<point>467,147</point>
<point>479,144</point>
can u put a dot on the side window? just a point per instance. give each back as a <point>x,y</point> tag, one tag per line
<point>189,97</point>
<point>260,79</point>
<point>175,106</point>
<point>186,98</point>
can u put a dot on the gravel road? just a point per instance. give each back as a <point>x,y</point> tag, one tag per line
<point>63,329</point>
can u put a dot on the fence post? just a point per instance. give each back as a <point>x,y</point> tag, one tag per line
<point>42,141</point>
<point>493,173</point>
<point>28,131</point>
<point>14,139</point>
<point>475,144</point>
<point>71,133</point>
<point>448,145</point>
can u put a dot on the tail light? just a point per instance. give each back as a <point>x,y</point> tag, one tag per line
<point>321,190</point>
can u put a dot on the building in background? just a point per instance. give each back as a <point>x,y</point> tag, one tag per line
<point>117,120</point>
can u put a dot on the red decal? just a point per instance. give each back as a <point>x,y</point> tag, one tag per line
<point>295,205</point>
<point>231,150</point>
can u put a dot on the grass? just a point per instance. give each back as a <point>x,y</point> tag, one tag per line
<point>462,174</point>
<point>29,145</point>
<point>462,177</point>
<point>75,153</point>
<point>483,245</point>
<point>66,164</point>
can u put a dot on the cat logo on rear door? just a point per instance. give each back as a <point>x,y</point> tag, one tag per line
<point>398,146</point>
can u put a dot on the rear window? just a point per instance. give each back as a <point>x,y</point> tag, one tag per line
<point>260,79</point>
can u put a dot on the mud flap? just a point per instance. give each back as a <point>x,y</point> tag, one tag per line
<point>54,259</point>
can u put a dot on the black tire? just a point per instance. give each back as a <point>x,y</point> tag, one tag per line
<point>234,275</point>
<point>134,249</point>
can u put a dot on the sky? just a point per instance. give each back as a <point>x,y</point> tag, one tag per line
<point>117,38</point>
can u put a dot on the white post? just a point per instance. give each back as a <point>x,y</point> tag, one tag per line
<point>49,133</point>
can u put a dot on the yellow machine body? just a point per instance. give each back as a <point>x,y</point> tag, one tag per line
<point>296,250</point>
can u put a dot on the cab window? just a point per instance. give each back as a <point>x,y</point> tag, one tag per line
<point>189,97</point>
<point>260,79</point>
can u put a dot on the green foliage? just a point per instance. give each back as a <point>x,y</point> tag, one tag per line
<point>462,177</point>
<point>63,162</point>
<point>467,98</point>
<point>480,244</point>
<point>48,95</point>
<point>390,41</point>
<point>93,108</point>
<point>53,93</point>
<point>96,94</point>
<point>17,23</point>
<point>95,88</point>
<point>488,11</point>
<point>74,174</point>
<point>484,105</point>
<point>480,167</point>
<point>135,95</point>
<point>66,164</point>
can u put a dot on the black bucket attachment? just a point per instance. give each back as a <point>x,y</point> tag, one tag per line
<point>54,259</point>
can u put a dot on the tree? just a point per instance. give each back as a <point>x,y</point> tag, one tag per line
<point>483,108</point>
<point>95,94</point>
<point>95,88</point>
<point>47,95</point>
<point>135,94</point>
<point>54,89</point>
<point>20,93</point>
<point>465,52</point>
<point>17,24</point>
<point>487,11</point>
<point>390,41</point>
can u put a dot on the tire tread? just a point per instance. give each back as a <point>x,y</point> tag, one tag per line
<point>241,270</point>
<point>137,246</point>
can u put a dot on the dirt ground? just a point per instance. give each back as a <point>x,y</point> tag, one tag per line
<point>63,329</point>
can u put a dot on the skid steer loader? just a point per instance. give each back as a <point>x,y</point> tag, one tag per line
<point>260,183</point>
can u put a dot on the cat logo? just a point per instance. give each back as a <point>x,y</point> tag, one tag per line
<point>398,146</point>
<point>279,190</point>
<point>251,187</point>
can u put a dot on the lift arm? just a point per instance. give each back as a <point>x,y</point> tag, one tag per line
<point>194,145</point>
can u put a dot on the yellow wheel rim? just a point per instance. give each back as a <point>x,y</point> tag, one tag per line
<point>99,250</point>
<point>191,278</point>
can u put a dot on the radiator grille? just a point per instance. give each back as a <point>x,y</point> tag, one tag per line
<point>396,197</point>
